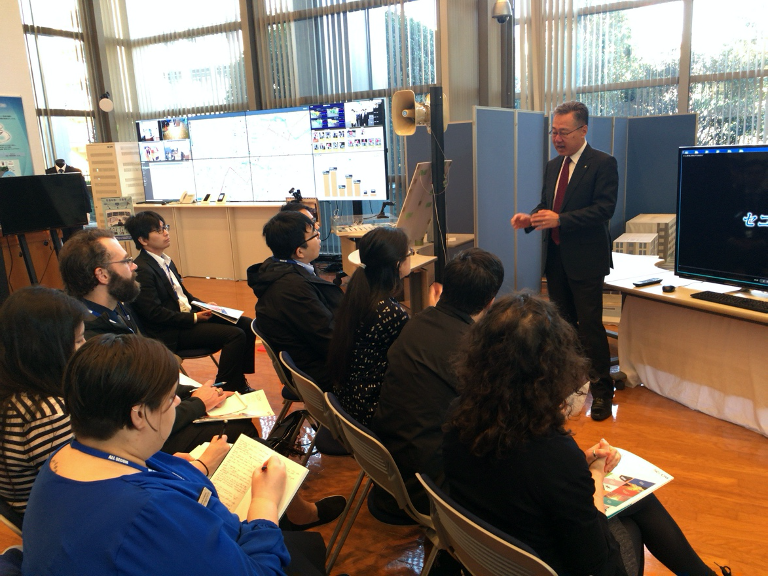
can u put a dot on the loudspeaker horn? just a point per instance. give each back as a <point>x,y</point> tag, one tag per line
<point>407,113</point>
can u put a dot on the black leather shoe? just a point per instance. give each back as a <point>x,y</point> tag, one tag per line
<point>601,408</point>
<point>328,509</point>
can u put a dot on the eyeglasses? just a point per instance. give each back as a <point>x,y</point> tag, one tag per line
<point>162,229</point>
<point>564,133</point>
<point>315,235</point>
<point>128,260</point>
<point>410,253</point>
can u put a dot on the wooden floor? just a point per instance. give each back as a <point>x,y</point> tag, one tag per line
<point>716,497</point>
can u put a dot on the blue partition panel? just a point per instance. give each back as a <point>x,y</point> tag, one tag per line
<point>531,135</point>
<point>620,153</point>
<point>459,206</point>
<point>600,133</point>
<point>652,144</point>
<point>509,164</point>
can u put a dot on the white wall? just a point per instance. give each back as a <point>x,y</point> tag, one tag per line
<point>15,77</point>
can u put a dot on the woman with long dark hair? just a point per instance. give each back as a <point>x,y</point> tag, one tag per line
<point>368,320</point>
<point>41,329</point>
<point>510,459</point>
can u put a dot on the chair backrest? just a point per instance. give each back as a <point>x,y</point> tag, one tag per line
<point>313,397</point>
<point>282,374</point>
<point>375,460</point>
<point>482,549</point>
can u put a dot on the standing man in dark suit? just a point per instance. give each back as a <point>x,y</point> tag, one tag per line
<point>577,203</point>
<point>164,307</point>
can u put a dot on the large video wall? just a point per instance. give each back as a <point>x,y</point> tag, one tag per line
<point>328,151</point>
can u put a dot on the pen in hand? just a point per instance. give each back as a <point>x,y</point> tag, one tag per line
<point>223,428</point>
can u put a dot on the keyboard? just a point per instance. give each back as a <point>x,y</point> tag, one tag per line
<point>731,300</point>
<point>362,227</point>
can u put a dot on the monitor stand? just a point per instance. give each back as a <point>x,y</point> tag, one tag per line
<point>357,210</point>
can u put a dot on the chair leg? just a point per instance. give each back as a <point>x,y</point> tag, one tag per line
<point>350,521</point>
<point>308,455</point>
<point>430,560</point>
<point>284,411</point>
<point>344,514</point>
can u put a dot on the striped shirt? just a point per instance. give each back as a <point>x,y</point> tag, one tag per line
<point>28,437</point>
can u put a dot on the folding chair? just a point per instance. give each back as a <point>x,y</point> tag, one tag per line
<point>317,405</point>
<point>194,354</point>
<point>482,549</point>
<point>289,392</point>
<point>10,517</point>
<point>376,461</point>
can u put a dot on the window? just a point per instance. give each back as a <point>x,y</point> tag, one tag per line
<point>627,61</point>
<point>728,71</point>
<point>60,75</point>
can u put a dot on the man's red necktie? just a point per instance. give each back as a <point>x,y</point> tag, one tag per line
<point>562,184</point>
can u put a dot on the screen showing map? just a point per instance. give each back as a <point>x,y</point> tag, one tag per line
<point>331,151</point>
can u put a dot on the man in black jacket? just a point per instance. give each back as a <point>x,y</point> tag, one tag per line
<point>97,271</point>
<point>420,384</point>
<point>164,307</point>
<point>295,308</point>
<point>578,199</point>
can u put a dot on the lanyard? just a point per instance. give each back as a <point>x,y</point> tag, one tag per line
<point>120,317</point>
<point>107,456</point>
<point>276,259</point>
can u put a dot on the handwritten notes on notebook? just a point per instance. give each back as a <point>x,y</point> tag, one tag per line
<point>233,477</point>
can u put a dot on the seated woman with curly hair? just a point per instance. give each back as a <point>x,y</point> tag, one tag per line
<point>510,460</point>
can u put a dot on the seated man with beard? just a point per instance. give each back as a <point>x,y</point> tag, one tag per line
<point>97,271</point>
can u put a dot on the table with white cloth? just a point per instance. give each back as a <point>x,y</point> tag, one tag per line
<point>707,356</point>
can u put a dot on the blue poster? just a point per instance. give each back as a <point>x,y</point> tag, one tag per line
<point>15,158</point>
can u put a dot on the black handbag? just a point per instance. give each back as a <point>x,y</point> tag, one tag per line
<point>282,438</point>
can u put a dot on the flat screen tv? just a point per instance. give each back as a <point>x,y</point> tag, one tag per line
<point>349,150</point>
<point>722,215</point>
<point>34,203</point>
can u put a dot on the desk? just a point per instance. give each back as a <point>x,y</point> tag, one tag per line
<point>706,356</point>
<point>216,240</point>
<point>417,277</point>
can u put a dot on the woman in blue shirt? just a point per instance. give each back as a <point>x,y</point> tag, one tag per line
<point>111,503</point>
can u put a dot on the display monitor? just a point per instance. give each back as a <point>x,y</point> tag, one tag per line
<point>328,151</point>
<point>165,151</point>
<point>349,150</point>
<point>34,203</point>
<point>722,215</point>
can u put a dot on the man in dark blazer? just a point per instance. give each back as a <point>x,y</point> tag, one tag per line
<point>577,202</point>
<point>165,310</point>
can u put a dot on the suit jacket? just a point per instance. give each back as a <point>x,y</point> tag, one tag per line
<point>588,205</point>
<point>67,168</point>
<point>157,305</point>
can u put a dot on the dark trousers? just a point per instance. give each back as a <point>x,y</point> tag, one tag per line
<point>236,342</point>
<point>192,435</point>
<point>581,303</point>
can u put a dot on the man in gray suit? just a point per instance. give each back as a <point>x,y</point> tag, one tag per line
<point>577,202</point>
